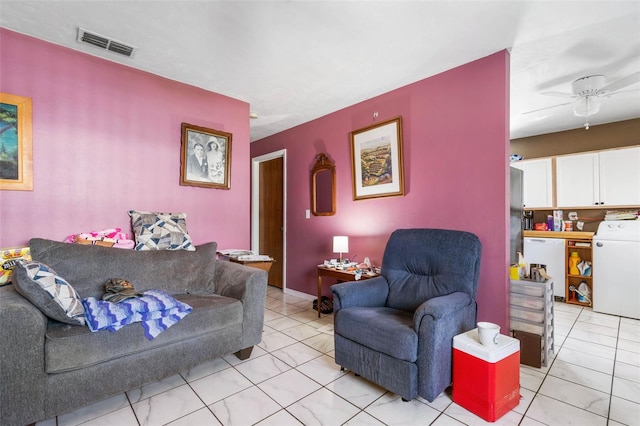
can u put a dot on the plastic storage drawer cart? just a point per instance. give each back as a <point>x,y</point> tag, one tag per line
<point>531,311</point>
<point>486,381</point>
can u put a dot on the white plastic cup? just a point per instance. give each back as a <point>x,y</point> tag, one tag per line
<point>488,333</point>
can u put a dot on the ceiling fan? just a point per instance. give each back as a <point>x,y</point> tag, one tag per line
<point>587,93</point>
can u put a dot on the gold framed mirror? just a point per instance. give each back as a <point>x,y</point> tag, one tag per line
<point>323,186</point>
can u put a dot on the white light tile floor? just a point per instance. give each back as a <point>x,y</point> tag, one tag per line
<point>291,379</point>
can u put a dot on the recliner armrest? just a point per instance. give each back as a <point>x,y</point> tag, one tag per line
<point>366,293</point>
<point>440,307</point>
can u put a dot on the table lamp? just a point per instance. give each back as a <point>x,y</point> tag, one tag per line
<point>340,245</point>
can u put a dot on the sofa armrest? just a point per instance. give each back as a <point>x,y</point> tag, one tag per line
<point>366,293</point>
<point>249,285</point>
<point>22,374</point>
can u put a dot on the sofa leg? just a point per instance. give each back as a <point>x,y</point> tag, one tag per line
<point>245,353</point>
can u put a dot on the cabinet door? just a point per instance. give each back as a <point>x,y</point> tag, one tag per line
<point>577,180</point>
<point>537,183</point>
<point>620,177</point>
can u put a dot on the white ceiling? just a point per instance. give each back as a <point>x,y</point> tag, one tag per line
<point>294,61</point>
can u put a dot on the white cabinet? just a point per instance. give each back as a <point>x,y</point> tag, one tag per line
<point>606,178</point>
<point>577,180</point>
<point>537,182</point>
<point>620,177</point>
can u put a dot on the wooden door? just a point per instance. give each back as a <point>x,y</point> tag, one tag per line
<point>271,221</point>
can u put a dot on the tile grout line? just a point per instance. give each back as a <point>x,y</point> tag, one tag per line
<point>546,374</point>
<point>613,372</point>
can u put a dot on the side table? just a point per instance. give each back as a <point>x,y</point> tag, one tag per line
<point>339,275</point>
<point>265,265</point>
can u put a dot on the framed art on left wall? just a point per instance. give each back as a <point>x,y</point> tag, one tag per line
<point>16,146</point>
<point>205,157</point>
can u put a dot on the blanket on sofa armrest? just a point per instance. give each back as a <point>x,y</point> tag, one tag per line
<point>155,309</point>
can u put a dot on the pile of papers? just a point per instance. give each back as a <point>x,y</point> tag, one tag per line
<point>621,214</point>
<point>255,258</point>
<point>244,255</point>
<point>235,252</point>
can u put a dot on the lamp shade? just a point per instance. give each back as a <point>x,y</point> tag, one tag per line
<point>340,244</point>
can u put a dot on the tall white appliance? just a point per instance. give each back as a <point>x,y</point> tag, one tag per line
<point>616,268</point>
<point>550,252</point>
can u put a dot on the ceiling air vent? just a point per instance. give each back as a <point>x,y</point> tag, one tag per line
<point>104,42</point>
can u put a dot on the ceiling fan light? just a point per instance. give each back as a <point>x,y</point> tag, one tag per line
<point>587,106</point>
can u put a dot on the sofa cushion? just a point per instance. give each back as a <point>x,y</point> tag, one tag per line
<point>383,329</point>
<point>86,268</point>
<point>70,348</point>
<point>50,293</point>
<point>160,231</point>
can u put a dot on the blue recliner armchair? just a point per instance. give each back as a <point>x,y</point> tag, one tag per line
<point>397,329</point>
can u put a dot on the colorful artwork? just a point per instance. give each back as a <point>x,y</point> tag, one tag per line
<point>9,153</point>
<point>16,149</point>
<point>375,159</point>
<point>377,164</point>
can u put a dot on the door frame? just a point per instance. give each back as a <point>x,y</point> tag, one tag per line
<point>255,205</point>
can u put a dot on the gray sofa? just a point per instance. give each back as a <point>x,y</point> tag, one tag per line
<point>48,367</point>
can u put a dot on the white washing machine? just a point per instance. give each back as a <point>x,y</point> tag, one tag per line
<point>616,268</point>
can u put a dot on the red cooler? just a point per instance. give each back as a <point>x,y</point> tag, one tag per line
<point>486,381</point>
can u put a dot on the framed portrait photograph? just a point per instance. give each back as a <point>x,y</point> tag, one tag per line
<point>377,164</point>
<point>16,149</point>
<point>205,157</point>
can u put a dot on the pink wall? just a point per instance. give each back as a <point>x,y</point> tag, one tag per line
<point>456,147</point>
<point>106,139</point>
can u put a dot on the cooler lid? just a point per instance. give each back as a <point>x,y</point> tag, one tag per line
<point>470,343</point>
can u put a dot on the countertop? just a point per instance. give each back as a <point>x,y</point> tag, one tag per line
<point>560,234</point>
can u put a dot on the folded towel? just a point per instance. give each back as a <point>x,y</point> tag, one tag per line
<point>155,309</point>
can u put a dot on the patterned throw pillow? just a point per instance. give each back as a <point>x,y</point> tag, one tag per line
<point>160,231</point>
<point>54,296</point>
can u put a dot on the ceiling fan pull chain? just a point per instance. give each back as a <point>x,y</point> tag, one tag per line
<point>586,117</point>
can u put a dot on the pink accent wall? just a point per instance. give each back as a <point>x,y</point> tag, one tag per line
<point>106,139</point>
<point>456,147</point>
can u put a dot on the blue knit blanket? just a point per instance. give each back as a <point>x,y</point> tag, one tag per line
<point>155,309</point>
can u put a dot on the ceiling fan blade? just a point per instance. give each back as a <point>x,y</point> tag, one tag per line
<point>619,92</point>
<point>620,84</point>
<point>559,94</point>
<point>545,108</point>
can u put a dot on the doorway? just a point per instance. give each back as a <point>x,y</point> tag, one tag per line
<point>268,212</point>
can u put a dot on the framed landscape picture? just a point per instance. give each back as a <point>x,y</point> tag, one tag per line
<point>205,158</point>
<point>16,149</point>
<point>377,164</point>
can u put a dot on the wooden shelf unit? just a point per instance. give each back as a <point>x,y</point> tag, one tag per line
<point>584,248</point>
